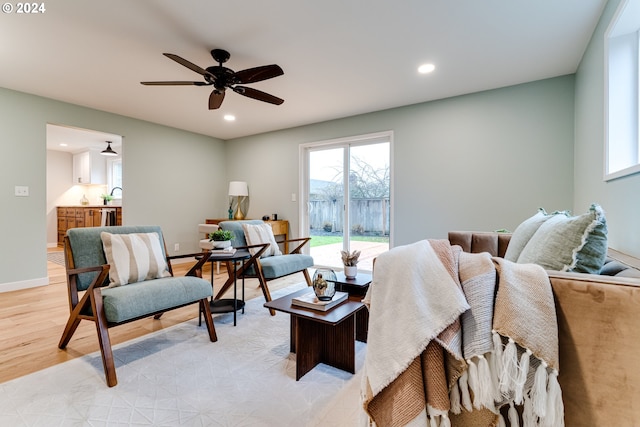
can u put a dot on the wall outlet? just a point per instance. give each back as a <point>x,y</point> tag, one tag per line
<point>293,197</point>
<point>176,247</point>
<point>22,191</point>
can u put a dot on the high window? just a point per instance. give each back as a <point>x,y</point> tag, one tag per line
<point>622,58</point>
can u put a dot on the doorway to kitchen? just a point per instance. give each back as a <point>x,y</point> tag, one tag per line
<point>347,198</point>
<point>80,175</point>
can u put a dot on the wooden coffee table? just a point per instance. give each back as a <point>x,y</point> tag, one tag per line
<point>321,336</point>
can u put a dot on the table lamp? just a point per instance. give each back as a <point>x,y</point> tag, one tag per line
<point>238,189</point>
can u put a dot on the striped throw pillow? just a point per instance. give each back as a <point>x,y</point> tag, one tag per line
<point>261,233</point>
<point>133,257</point>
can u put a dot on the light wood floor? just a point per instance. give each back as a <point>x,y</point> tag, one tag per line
<point>32,321</point>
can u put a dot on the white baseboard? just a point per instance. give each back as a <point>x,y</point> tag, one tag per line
<point>52,245</point>
<point>24,284</point>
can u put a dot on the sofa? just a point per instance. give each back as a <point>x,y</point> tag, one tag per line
<point>598,334</point>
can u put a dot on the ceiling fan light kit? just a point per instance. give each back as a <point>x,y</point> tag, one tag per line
<point>223,78</point>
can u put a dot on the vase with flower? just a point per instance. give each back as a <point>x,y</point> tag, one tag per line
<point>350,262</point>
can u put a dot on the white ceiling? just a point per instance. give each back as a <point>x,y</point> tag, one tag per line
<point>340,57</point>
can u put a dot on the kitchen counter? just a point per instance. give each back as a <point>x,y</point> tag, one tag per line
<point>75,216</point>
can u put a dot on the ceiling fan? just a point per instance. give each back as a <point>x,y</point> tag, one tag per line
<point>223,78</point>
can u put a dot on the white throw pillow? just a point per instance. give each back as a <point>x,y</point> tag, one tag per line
<point>133,257</point>
<point>261,233</point>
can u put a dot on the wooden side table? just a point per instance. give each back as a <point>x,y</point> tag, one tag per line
<point>321,336</point>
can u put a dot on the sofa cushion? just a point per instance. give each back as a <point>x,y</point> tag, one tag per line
<point>278,266</point>
<point>523,233</point>
<point>256,234</point>
<point>565,243</point>
<point>133,257</point>
<point>140,299</point>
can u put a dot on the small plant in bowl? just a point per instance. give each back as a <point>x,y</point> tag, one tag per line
<point>221,238</point>
<point>106,198</point>
<point>350,261</point>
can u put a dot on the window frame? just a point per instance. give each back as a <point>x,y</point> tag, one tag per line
<point>623,32</point>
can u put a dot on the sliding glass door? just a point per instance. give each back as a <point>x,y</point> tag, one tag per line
<point>348,195</point>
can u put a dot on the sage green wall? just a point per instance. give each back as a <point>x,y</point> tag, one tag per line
<point>171,178</point>
<point>619,198</point>
<point>476,162</point>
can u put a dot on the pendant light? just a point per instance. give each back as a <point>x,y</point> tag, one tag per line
<point>108,151</point>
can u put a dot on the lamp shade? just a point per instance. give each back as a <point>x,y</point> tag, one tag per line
<point>238,188</point>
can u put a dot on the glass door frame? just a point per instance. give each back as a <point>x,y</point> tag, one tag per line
<point>346,142</point>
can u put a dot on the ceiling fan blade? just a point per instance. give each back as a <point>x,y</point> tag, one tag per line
<point>179,83</point>
<point>189,65</point>
<point>215,99</point>
<point>257,94</point>
<point>257,74</point>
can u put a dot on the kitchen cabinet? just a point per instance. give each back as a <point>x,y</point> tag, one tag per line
<point>89,167</point>
<point>82,216</point>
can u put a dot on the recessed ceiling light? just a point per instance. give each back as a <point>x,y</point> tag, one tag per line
<point>426,68</point>
<point>63,144</point>
<point>229,117</point>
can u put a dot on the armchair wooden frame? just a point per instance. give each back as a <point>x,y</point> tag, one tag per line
<point>88,305</point>
<point>246,271</point>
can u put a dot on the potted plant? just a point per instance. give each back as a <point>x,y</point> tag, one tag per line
<point>350,262</point>
<point>106,198</point>
<point>221,238</point>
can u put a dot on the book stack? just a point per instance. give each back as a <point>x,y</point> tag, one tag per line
<point>309,300</point>
<point>228,251</point>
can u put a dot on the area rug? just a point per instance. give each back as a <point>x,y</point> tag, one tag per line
<point>56,258</point>
<point>177,377</point>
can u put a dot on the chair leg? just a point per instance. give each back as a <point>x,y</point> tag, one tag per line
<point>306,276</point>
<point>103,339</point>
<point>69,330</point>
<point>204,307</point>
<point>265,291</point>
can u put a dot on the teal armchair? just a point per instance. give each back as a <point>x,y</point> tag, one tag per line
<point>91,296</point>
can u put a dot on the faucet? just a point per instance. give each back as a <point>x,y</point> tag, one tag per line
<point>114,189</point>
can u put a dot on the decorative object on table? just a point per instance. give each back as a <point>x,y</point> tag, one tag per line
<point>238,189</point>
<point>350,262</point>
<point>106,199</point>
<point>221,238</point>
<point>324,284</point>
<point>265,217</point>
<point>230,211</point>
<point>84,201</point>
<point>309,300</point>
<point>274,217</point>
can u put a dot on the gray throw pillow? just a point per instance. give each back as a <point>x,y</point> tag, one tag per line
<point>563,243</point>
<point>523,233</point>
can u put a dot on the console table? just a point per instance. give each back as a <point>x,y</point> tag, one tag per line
<point>280,227</point>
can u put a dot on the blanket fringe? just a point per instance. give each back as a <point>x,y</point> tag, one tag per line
<point>509,371</point>
<point>555,407</point>
<point>464,391</point>
<point>539,390</point>
<point>437,417</point>
<point>454,398</point>
<point>514,420</point>
<point>523,370</point>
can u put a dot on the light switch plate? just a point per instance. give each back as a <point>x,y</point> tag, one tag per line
<point>22,191</point>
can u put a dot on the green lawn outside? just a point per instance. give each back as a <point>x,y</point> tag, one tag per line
<point>328,240</point>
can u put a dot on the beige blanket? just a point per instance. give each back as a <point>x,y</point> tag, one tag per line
<point>450,354</point>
